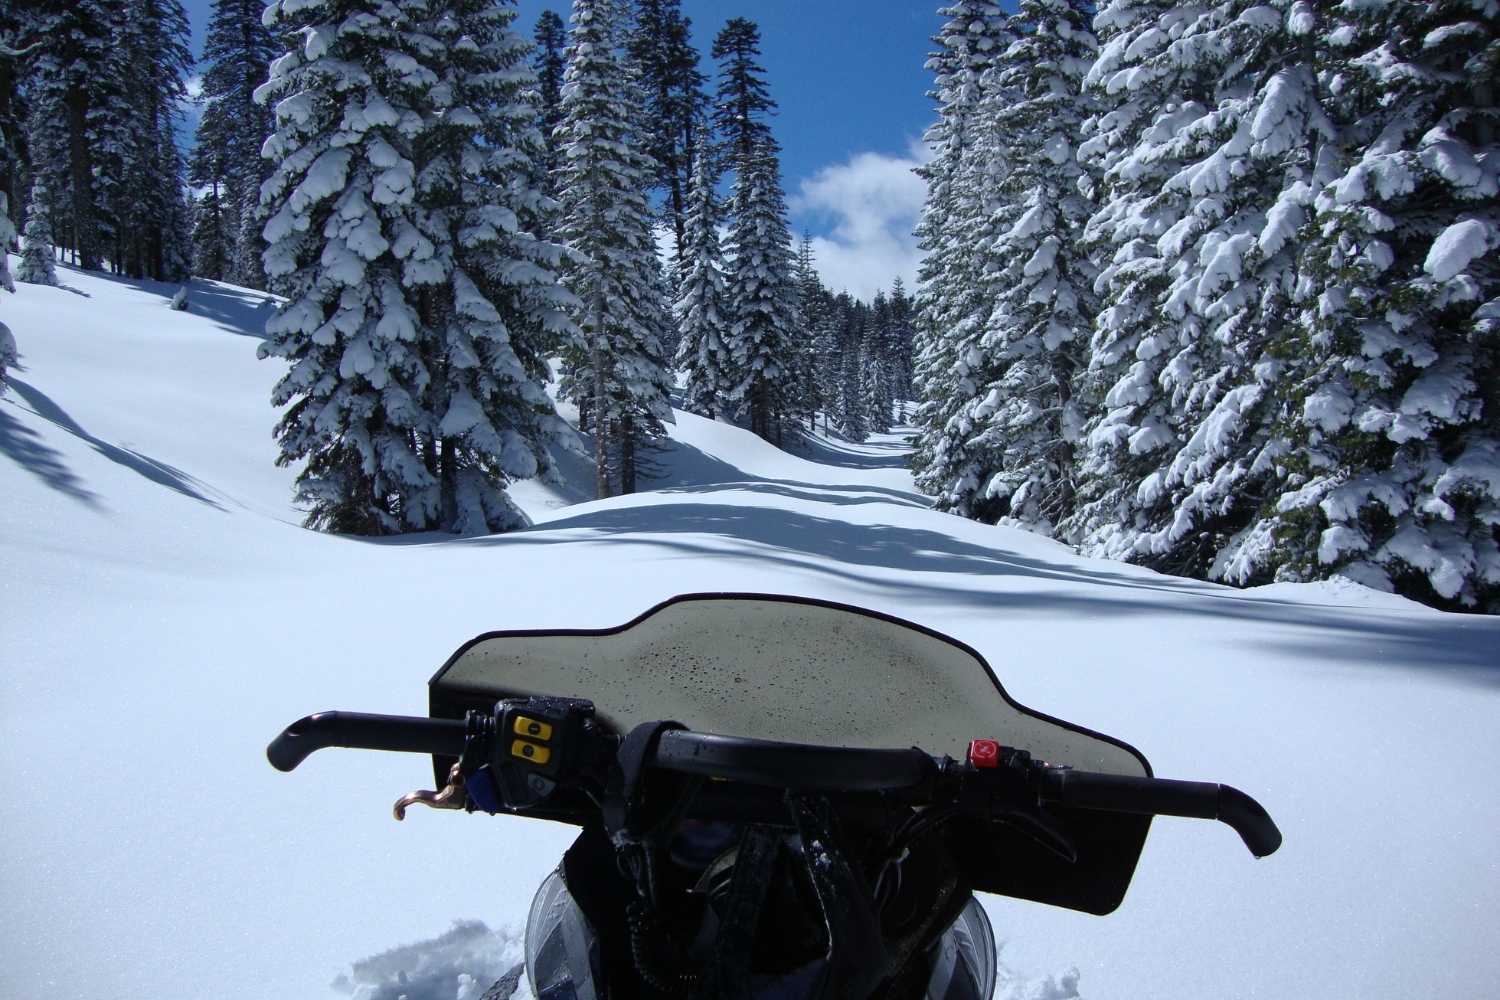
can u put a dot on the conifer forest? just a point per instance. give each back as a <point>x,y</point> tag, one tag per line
<point>1212,287</point>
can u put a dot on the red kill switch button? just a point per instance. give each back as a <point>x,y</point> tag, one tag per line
<point>984,753</point>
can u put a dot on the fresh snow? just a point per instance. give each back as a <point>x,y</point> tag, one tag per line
<point>1455,247</point>
<point>164,616</point>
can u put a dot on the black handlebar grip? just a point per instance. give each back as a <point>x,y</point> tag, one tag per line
<point>1250,820</point>
<point>1165,797</point>
<point>399,733</point>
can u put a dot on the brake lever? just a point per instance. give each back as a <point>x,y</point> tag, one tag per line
<point>452,796</point>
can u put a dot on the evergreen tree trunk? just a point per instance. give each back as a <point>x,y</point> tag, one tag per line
<point>601,402</point>
<point>448,481</point>
<point>82,180</point>
<point>627,455</point>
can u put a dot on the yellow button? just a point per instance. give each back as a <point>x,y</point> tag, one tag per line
<point>530,727</point>
<point>530,751</point>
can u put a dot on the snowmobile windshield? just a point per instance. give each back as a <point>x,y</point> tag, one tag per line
<point>792,670</point>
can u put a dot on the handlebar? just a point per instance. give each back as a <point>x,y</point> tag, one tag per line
<point>910,775</point>
<point>359,731</point>
<point>1164,797</point>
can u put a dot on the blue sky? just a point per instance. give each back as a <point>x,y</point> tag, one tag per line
<point>848,77</point>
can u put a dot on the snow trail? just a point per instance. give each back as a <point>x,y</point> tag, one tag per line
<point>164,616</point>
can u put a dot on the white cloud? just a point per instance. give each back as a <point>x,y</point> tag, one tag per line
<point>873,201</point>
<point>194,87</point>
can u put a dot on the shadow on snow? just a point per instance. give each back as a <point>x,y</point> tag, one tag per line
<point>46,466</point>
<point>1464,645</point>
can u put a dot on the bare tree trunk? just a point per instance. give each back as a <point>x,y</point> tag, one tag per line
<point>627,455</point>
<point>83,187</point>
<point>448,484</point>
<point>601,409</point>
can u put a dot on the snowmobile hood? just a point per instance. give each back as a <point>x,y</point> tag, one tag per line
<point>807,671</point>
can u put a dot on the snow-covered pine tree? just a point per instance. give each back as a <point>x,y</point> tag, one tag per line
<point>487,297</point>
<point>212,245</point>
<point>674,101</point>
<point>1184,452</point>
<point>7,236</point>
<point>420,307</point>
<point>962,182</point>
<point>152,236</point>
<point>1394,423</point>
<point>1020,413</point>
<point>237,54</point>
<point>616,374</point>
<point>878,375</point>
<point>853,401</point>
<point>37,266</point>
<point>762,298</point>
<point>743,100</point>
<point>902,334</point>
<point>347,95</point>
<point>1145,97</point>
<point>17,42</point>
<point>549,62</point>
<point>1151,90</point>
<point>828,356</point>
<point>812,305</point>
<point>69,75</point>
<point>703,349</point>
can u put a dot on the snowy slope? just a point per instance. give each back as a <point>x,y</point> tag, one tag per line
<point>163,616</point>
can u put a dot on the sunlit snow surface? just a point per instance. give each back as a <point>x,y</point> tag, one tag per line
<point>164,615</point>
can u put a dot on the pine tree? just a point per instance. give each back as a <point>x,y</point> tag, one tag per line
<point>763,322</point>
<point>1039,280</point>
<point>341,191</point>
<point>743,100</point>
<point>7,236</point>
<point>145,193</point>
<point>487,294</point>
<point>703,351</point>
<point>853,422</point>
<point>1201,266</point>
<point>69,79</point>
<point>879,402</point>
<point>1142,354</point>
<point>17,42</point>
<point>812,306</point>
<point>1393,425</point>
<point>829,356</point>
<point>419,310</point>
<point>37,265</point>
<point>616,373</point>
<point>675,103</point>
<point>237,54</point>
<point>212,243</point>
<point>549,63</point>
<point>902,336</point>
<point>965,214</point>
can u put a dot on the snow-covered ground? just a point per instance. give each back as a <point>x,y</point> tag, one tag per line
<point>164,616</point>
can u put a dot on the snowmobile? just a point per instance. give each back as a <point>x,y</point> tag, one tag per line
<point>778,798</point>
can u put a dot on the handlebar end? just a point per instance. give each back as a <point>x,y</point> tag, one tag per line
<point>289,748</point>
<point>1250,820</point>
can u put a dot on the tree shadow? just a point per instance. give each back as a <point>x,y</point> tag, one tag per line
<point>143,465</point>
<point>235,310</point>
<point>1462,645</point>
<point>877,455</point>
<point>839,496</point>
<point>24,446</point>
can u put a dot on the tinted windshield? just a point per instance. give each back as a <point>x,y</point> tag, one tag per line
<point>779,669</point>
